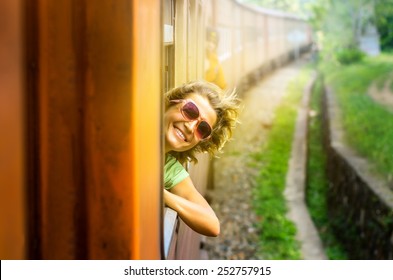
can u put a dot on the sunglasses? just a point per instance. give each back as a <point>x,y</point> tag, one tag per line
<point>190,112</point>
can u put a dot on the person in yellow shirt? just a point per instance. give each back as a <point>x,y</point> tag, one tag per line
<point>214,72</point>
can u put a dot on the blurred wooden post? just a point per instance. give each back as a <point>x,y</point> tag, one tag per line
<point>89,117</point>
<point>12,153</point>
<point>147,145</point>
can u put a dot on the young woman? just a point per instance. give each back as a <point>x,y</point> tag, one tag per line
<point>199,117</point>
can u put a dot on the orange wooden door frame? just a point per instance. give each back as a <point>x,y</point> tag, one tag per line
<point>91,127</point>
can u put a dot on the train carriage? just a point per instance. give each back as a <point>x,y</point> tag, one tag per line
<point>81,115</point>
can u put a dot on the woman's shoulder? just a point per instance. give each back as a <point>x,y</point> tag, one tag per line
<point>172,163</point>
<point>169,158</point>
<point>174,171</point>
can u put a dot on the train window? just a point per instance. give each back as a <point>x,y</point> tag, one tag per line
<point>168,55</point>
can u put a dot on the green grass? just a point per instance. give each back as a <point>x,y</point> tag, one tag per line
<point>277,239</point>
<point>317,184</point>
<point>368,126</point>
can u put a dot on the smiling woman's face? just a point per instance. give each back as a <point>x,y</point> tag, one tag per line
<point>180,133</point>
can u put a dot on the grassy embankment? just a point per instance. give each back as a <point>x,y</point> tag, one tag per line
<point>368,125</point>
<point>277,232</point>
<point>369,129</point>
<point>277,239</point>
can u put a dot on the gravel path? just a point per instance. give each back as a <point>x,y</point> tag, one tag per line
<point>233,177</point>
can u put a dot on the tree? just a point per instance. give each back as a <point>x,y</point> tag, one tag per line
<point>341,24</point>
<point>384,22</point>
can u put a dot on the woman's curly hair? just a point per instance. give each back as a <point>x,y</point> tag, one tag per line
<point>225,103</point>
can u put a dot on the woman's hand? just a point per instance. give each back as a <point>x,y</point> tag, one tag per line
<point>192,208</point>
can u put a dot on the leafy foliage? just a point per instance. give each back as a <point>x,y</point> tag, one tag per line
<point>338,24</point>
<point>349,55</point>
<point>384,22</point>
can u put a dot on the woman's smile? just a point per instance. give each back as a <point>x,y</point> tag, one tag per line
<point>180,134</point>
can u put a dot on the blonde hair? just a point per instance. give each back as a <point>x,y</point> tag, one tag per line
<point>225,104</point>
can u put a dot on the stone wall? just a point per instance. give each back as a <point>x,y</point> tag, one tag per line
<point>360,203</point>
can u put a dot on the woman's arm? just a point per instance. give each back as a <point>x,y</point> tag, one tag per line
<point>192,208</point>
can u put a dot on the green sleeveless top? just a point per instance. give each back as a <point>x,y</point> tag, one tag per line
<point>174,172</point>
